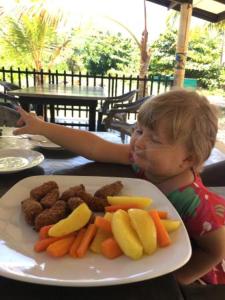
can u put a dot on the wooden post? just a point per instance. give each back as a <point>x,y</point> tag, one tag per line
<point>182,43</point>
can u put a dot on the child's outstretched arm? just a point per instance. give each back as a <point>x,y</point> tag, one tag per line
<point>81,142</point>
<point>209,251</point>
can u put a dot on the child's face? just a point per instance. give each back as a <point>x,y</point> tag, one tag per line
<point>153,153</point>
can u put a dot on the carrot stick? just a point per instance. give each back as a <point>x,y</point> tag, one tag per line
<point>76,243</point>
<point>124,206</point>
<point>87,238</point>
<point>103,223</point>
<point>162,234</point>
<point>43,232</point>
<point>61,247</point>
<point>162,214</point>
<point>42,245</point>
<point>110,248</point>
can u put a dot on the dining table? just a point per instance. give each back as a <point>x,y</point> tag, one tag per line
<point>63,162</point>
<point>61,94</point>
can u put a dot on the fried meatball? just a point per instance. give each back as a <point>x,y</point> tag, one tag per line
<point>50,198</point>
<point>51,215</point>
<point>72,192</point>
<point>74,202</point>
<point>31,209</point>
<point>109,190</point>
<point>98,204</point>
<point>39,192</point>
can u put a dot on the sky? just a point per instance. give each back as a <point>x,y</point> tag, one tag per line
<point>128,12</point>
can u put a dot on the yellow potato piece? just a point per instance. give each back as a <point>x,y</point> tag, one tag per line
<point>125,235</point>
<point>75,221</point>
<point>171,225</point>
<point>100,236</point>
<point>143,202</point>
<point>145,229</point>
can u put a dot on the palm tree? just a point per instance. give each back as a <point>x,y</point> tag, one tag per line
<point>31,35</point>
<point>145,52</point>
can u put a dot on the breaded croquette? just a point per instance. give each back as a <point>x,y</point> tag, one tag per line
<point>109,190</point>
<point>39,192</point>
<point>74,202</point>
<point>31,209</point>
<point>51,215</point>
<point>72,192</point>
<point>50,198</point>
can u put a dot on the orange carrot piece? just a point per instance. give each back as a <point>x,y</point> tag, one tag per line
<point>42,245</point>
<point>61,247</point>
<point>110,248</point>
<point>162,214</point>
<point>43,232</point>
<point>103,223</point>
<point>162,234</point>
<point>125,206</point>
<point>86,241</point>
<point>76,243</point>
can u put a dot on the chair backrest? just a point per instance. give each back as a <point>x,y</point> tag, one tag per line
<point>122,99</point>
<point>8,86</point>
<point>117,117</point>
<point>8,116</point>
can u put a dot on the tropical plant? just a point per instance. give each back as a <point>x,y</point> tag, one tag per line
<point>31,38</point>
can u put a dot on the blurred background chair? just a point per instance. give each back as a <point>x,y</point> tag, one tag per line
<point>6,99</point>
<point>8,116</point>
<point>8,86</point>
<point>117,117</point>
<point>110,103</point>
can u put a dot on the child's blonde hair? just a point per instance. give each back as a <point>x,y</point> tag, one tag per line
<point>189,119</point>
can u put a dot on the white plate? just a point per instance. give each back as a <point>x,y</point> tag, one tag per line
<point>19,261</point>
<point>15,160</point>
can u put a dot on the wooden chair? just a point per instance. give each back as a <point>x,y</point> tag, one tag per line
<point>117,117</point>
<point>111,102</point>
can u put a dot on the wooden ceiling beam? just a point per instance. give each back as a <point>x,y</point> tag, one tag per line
<point>197,12</point>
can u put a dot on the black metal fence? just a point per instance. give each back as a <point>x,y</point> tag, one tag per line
<point>115,85</point>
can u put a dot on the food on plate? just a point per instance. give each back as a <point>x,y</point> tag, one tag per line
<point>109,190</point>
<point>39,192</point>
<point>47,196</point>
<point>51,215</point>
<point>134,233</point>
<point>100,236</point>
<point>75,221</point>
<point>72,192</point>
<point>31,209</point>
<point>110,248</point>
<point>60,247</point>
<point>50,198</point>
<point>171,225</point>
<point>125,235</point>
<point>163,237</point>
<point>141,202</point>
<point>145,229</point>
<point>74,202</point>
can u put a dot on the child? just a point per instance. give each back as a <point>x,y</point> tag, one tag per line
<point>175,134</point>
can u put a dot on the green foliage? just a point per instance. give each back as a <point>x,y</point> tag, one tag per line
<point>203,59</point>
<point>31,41</point>
<point>104,53</point>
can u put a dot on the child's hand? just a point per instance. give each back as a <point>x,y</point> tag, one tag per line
<point>29,121</point>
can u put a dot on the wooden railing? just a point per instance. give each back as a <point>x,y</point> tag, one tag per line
<point>115,85</point>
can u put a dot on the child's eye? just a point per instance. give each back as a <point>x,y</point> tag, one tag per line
<point>138,131</point>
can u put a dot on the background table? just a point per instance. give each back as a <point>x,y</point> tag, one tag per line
<point>61,95</point>
<point>62,162</point>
